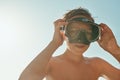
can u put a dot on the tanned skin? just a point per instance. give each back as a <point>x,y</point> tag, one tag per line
<point>72,65</point>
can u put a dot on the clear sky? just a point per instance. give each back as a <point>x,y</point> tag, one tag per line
<point>26,27</point>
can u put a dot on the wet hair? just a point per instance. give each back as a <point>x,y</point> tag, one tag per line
<point>78,12</point>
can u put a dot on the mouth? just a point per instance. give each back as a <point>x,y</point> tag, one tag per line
<point>79,45</point>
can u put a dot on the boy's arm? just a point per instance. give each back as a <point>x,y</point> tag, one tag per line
<point>108,71</point>
<point>116,53</point>
<point>36,70</point>
<point>108,42</point>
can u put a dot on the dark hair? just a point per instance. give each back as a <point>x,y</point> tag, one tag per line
<point>76,12</point>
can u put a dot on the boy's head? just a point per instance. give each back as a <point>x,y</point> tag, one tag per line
<point>81,27</point>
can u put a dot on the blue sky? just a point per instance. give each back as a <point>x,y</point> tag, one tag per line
<point>26,27</point>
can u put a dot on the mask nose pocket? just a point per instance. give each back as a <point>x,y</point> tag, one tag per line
<point>82,37</point>
<point>79,36</point>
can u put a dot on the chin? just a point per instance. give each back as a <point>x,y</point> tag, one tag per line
<point>79,50</point>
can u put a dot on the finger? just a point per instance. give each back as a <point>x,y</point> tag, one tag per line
<point>105,27</point>
<point>59,20</point>
<point>60,23</point>
<point>103,31</point>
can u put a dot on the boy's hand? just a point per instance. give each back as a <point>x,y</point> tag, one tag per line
<point>58,37</point>
<point>107,40</point>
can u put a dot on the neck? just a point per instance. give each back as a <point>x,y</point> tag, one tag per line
<point>73,56</point>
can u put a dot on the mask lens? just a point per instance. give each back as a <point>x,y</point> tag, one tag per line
<point>82,35</point>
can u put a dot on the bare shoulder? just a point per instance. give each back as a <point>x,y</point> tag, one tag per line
<point>55,60</point>
<point>97,60</point>
<point>100,63</point>
<point>106,69</point>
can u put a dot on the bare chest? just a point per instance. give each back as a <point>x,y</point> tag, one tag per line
<point>70,71</point>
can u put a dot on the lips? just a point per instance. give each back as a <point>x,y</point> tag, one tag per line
<point>79,45</point>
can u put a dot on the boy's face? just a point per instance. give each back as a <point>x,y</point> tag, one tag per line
<point>79,35</point>
<point>76,47</point>
<point>82,30</point>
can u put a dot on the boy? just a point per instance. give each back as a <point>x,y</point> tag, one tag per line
<point>72,65</point>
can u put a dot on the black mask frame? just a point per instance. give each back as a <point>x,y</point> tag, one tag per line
<point>81,38</point>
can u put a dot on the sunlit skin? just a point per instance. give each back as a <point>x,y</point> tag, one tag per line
<point>72,65</point>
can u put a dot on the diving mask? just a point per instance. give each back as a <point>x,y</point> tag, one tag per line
<point>82,35</point>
